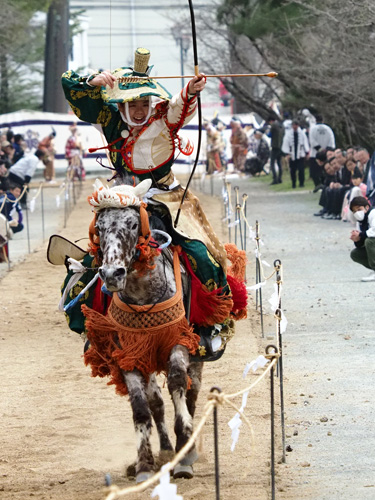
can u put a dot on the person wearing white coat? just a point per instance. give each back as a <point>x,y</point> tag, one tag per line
<point>296,147</point>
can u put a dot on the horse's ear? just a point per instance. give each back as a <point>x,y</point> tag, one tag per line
<point>141,189</point>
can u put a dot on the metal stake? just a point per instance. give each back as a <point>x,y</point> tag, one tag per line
<point>27,227</point>
<point>216,447</point>
<point>270,349</point>
<point>277,265</point>
<point>42,203</point>
<point>244,198</point>
<point>258,278</point>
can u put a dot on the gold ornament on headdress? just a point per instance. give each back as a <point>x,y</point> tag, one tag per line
<point>141,58</point>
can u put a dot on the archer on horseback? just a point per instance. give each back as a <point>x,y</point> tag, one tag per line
<point>141,122</point>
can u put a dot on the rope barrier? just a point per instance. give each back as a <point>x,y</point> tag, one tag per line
<point>214,400</point>
<point>39,192</point>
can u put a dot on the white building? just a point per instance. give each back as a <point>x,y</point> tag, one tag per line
<point>115,28</point>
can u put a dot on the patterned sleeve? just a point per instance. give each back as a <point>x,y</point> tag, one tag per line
<point>86,101</point>
<point>181,109</point>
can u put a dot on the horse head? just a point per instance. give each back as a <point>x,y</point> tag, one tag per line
<point>118,225</point>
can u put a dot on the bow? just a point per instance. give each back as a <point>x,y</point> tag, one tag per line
<point>196,71</point>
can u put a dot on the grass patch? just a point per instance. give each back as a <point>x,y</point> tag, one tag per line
<point>286,185</point>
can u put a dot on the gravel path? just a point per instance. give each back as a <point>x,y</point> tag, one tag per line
<point>329,373</point>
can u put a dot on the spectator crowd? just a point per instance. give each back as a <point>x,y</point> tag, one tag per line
<point>345,178</point>
<point>340,174</point>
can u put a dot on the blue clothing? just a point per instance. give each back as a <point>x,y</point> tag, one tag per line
<point>10,207</point>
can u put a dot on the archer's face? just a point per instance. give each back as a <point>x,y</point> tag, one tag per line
<point>138,110</point>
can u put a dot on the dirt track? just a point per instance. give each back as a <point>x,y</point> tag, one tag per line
<point>62,430</point>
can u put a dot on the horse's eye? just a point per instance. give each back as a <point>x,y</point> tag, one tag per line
<point>134,226</point>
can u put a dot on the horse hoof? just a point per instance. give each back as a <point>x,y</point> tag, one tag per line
<point>190,458</point>
<point>141,477</point>
<point>130,470</point>
<point>183,471</point>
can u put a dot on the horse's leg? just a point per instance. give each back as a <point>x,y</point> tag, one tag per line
<point>142,423</point>
<point>156,404</point>
<point>177,385</point>
<point>195,373</point>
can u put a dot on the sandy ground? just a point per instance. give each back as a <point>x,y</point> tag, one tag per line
<point>62,430</point>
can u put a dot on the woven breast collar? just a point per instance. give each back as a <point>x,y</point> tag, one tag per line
<point>150,317</point>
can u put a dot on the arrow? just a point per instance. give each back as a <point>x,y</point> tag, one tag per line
<point>130,79</point>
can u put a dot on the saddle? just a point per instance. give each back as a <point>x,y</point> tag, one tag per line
<point>193,223</point>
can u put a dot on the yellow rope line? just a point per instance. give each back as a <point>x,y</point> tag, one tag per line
<point>239,393</point>
<point>39,190</point>
<point>247,421</point>
<point>115,493</point>
<point>229,198</point>
<point>3,203</point>
<point>270,276</point>
<point>214,399</point>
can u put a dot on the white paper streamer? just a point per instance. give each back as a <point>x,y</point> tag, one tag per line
<point>229,216</point>
<point>256,287</point>
<point>252,234</point>
<point>32,205</point>
<point>259,362</point>
<point>165,490</point>
<point>244,401</point>
<point>283,323</point>
<point>234,223</point>
<point>57,201</point>
<point>274,299</point>
<point>235,424</point>
<point>265,263</point>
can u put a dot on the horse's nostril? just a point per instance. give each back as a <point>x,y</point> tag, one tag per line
<point>119,273</point>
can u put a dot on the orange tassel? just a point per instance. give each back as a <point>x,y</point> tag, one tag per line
<point>238,259</point>
<point>148,352</point>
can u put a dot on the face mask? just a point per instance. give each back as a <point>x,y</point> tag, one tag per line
<point>359,216</point>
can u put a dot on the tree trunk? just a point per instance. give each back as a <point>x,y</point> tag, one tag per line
<point>4,85</point>
<point>56,56</point>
